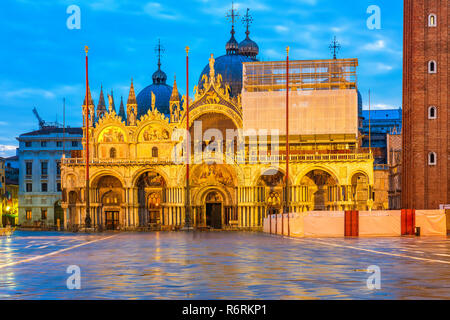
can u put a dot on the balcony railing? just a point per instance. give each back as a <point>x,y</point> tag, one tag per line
<point>224,159</point>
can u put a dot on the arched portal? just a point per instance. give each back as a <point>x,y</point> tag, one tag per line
<point>151,187</point>
<point>214,208</point>
<point>360,191</point>
<point>109,195</point>
<point>319,183</point>
<point>273,183</point>
<point>213,132</point>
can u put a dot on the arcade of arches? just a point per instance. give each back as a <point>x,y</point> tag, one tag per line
<point>135,183</point>
<point>218,201</point>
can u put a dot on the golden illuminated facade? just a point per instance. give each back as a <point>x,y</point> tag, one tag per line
<point>137,181</point>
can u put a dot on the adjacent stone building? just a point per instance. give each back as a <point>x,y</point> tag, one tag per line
<point>39,158</point>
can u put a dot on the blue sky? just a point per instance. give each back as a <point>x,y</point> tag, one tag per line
<point>43,61</point>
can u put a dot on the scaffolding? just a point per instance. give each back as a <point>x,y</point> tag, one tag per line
<point>331,74</point>
<point>323,97</point>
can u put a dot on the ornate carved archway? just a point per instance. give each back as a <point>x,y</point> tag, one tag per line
<point>150,194</point>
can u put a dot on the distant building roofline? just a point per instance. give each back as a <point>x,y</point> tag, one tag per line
<point>52,130</point>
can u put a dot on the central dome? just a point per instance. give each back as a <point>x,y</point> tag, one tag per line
<point>230,67</point>
<point>162,92</point>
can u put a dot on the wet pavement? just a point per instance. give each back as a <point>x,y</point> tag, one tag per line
<point>220,265</point>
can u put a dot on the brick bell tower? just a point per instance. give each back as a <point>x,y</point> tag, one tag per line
<point>426,116</point>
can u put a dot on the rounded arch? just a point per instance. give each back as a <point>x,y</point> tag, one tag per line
<point>201,194</point>
<point>116,132</point>
<point>308,169</point>
<point>360,190</point>
<point>194,114</point>
<point>432,112</point>
<point>432,66</point>
<point>94,179</point>
<point>359,172</point>
<point>142,171</point>
<point>197,175</point>
<point>432,158</point>
<point>144,125</point>
<point>269,171</point>
<point>432,20</point>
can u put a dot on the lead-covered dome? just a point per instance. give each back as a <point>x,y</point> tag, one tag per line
<point>229,66</point>
<point>248,48</point>
<point>162,92</point>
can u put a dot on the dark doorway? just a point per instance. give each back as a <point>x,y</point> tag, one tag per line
<point>58,214</point>
<point>112,220</point>
<point>214,215</point>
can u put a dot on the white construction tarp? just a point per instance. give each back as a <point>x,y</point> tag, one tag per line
<point>314,112</point>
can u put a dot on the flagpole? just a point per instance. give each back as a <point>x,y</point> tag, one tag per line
<point>287,140</point>
<point>188,144</point>
<point>64,127</point>
<point>87,220</point>
<point>370,129</point>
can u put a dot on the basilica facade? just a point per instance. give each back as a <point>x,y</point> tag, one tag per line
<point>137,169</point>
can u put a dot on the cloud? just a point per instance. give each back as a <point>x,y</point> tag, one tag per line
<point>104,5</point>
<point>7,150</point>
<point>384,67</point>
<point>281,29</point>
<point>375,46</point>
<point>30,93</point>
<point>379,106</point>
<point>156,10</point>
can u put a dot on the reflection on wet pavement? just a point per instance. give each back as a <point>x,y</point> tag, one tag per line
<point>220,265</point>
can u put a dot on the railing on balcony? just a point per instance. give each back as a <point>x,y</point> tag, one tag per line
<point>240,159</point>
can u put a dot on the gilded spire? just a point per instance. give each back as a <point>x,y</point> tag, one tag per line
<point>132,95</point>
<point>101,101</point>
<point>122,110</point>
<point>91,102</point>
<point>175,97</point>
<point>112,106</point>
<point>132,106</point>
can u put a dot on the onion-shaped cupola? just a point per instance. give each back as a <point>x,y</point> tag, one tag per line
<point>248,47</point>
<point>159,77</point>
<point>230,65</point>
<point>159,88</point>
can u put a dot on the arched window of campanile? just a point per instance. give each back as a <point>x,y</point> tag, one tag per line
<point>432,159</point>
<point>432,20</point>
<point>432,113</point>
<point>432,67</point>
